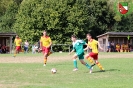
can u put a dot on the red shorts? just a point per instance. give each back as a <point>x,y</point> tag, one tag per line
<point>45,50</point>
<point>118,49</point>
<point>93,55</point>
<point>18,48</point>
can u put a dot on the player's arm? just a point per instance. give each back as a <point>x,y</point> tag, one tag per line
<point>100,46</point>
<point>88,47</point>
<point>50,43</point>
<point>71,51</point>
<point>20,41</point>
<point>84,43</point>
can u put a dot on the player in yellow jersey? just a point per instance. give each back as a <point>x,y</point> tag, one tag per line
<point>93,45</point>
<point>122,47</point>
<point>126,49</point>
<point>17,42</point>
<point>45,44</point>
<point>118,47</point>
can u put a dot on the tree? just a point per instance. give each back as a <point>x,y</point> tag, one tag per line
<point>60,18</point>
<point>7,18</point>
<point>125,25</point>
<point>101,17</point>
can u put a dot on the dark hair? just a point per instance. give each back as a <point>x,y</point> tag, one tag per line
<point>74,36</point>
<point>89,34</point>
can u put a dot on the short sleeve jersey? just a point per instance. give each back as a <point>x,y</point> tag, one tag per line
<point>78,46</point>
<point>126,46</point>
<point>18,42</point>
<point>93,44</point>
<point>117,46</point>
<point>45,41</point>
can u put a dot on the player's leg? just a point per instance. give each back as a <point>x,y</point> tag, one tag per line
<point>81,59</point>
<point>99,65</point>
<point>75,62</point>
<point>86,64</point>
<point>45,53</point>
<point>97,62</point>
<point>16,51</point>
<point>89,58</point>
<point>50,52</point>
<point>19,49</point>
<point>45,59</point>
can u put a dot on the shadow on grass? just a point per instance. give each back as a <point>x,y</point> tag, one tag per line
<point>106,70</point>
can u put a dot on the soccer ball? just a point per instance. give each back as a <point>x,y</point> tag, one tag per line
<point>53,70</point>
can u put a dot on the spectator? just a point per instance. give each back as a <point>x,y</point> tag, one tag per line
<point>3,49</point>
<point>34,48</point>
<point>129,46</point>
<point>7,49</point>
<point>0,48</point>
<point>112,46</point>
<point>39,47</point>
<point>26,45</point>
<point>38,44</point>
<point>122,47</point>
<point>118,47</point>
<point>131,49</point>
<point>108,46</point>
<point>126,49</point>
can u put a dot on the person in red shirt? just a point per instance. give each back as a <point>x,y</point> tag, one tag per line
<point>45,44</point>
<point>17,42</point>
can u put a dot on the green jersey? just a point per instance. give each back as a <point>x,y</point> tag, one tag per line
<point>78,46</point>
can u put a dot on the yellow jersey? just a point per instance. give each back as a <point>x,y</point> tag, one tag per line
<point>117,46</point>
<point>126,46</point>
<point>45,41</point>
<point>93,45</point>
<point>17,41</point>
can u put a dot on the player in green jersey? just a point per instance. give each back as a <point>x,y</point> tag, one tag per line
<point>78,48</point>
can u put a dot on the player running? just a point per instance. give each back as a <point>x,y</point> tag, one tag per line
<point>92,44</point>
<point>45,44</point>
<point>17,42</point>
<point>78,48</point>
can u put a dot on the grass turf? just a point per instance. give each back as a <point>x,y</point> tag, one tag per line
<point>118,74</point>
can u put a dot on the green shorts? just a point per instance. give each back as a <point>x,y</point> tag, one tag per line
<point>80,55</point>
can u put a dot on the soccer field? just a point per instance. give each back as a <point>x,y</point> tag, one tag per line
<point>27,71</point>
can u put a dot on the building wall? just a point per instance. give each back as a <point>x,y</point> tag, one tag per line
<point>121,40</point>
<point>104,40</point>
<point>5,40</point>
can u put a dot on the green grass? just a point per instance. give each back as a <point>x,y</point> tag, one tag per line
<point>118,74</point>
